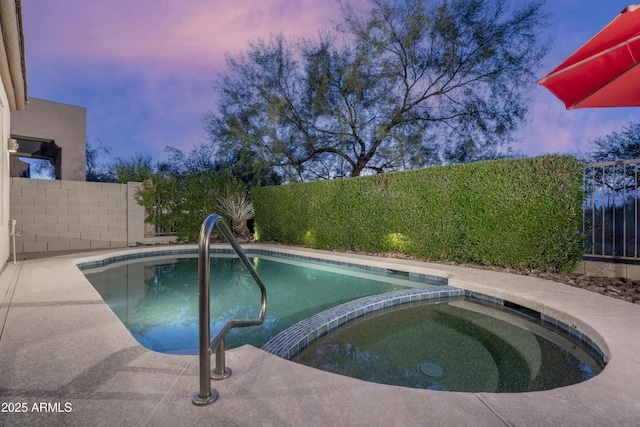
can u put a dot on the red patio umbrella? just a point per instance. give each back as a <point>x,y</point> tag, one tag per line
<point>603,72</point>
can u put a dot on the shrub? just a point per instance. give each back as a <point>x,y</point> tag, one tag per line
<point>183,202</point>
<point>519,213</point>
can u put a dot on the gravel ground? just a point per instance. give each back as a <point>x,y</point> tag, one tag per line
<point>621,288</point>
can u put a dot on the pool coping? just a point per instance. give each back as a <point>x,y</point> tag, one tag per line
<point>62,344</point>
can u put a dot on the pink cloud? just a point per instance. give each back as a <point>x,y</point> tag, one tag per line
<point>195,32</point>
<point>172,49</point>
<point>553,129</point>
<point>164,52</point>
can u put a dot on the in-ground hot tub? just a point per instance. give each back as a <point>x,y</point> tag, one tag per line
<point>456,342</point>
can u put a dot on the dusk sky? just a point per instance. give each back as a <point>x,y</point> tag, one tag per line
<point>144,69</point>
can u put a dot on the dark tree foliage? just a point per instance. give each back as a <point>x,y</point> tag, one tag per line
<point>200,158</point>
<point>406,84</point>
<point>43,168</point>
<point>614,180</point>
<point>243,164</point>
<point>136,168</point>
<point>95,171</point>
<point>623,145</point>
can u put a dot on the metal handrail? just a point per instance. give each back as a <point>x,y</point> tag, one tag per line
<point>206,394</point>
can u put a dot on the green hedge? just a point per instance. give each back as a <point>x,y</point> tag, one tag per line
<point>519,213</point>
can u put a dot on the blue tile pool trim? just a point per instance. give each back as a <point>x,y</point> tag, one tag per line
<point>553,324</point>
<point>415,277</point>
<point>292,341</point>
<point>135,255</point>
<point>575,336</point>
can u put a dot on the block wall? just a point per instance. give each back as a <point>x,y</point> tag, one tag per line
<point>74,215</point>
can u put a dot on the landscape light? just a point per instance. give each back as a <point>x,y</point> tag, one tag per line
<point>12,145</point>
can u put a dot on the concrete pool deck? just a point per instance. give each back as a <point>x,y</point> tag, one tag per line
<point>66,359</point>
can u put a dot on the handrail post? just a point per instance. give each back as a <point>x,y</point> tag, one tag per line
<point>206,394</point>
<point>221,372</point>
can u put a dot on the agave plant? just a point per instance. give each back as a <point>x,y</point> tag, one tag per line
<point>238,208</point>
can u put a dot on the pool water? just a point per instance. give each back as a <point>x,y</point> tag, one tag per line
<point>157,300</point>
<point>455,346</point>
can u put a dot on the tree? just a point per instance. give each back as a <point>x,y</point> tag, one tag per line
<point>407,84</point>
<point>615,179</point>
<point>241,164</point>
<point>200,158</point>
<point>94,170</point>
<point>624,145</point>
<point>245,165</point>
<point>137,168</point>
<point>43,168</point>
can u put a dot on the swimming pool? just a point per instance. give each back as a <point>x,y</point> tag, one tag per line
<point>411,287</point>
<point>157,298</point>
<point>455,345</point>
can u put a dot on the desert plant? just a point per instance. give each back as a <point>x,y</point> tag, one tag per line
<point>238,208</point>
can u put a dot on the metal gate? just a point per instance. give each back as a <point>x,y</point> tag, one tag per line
<point>610,213</point>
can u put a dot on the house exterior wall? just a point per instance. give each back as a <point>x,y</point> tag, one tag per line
<point>13,95</point>
<point>4,178</point>
<point>74,215</point>
<point>65,124</point>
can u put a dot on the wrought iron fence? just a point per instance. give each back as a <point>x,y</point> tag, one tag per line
<point>610,212</point>
<point>164,231</point>
<point>159,230</point>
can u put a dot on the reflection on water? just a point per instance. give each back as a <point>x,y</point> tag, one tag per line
<point>158,301</point>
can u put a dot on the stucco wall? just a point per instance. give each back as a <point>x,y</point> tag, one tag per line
<point>4,178</point>
<point>63,123</point>
<point>74,215</point>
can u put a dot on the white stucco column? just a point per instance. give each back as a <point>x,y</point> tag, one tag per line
<point>4,178</point>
